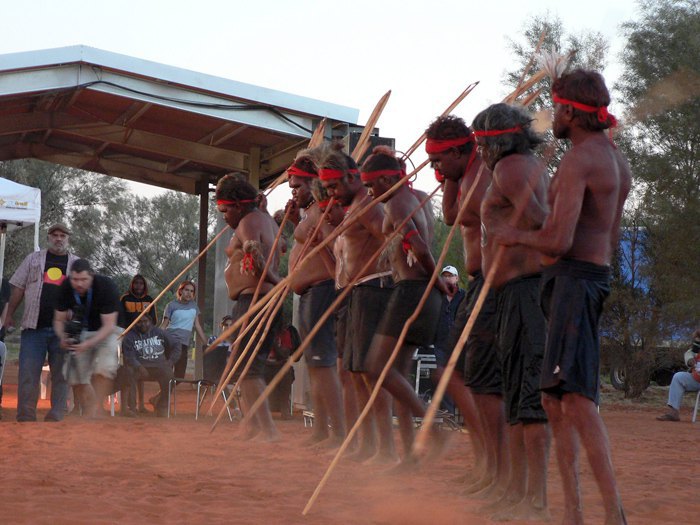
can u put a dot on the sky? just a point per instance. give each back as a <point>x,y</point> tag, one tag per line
<point>348,53</point>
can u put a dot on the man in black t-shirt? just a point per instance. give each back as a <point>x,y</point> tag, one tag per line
<point>85,321</point>
<point>36,283</point>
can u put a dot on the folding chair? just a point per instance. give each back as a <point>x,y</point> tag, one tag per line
<point>214,364</point>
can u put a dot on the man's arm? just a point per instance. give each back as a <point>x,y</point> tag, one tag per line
<point>372,220</point>
<point>59,320</point>
<point>129,352</point>
<point>450,201</point>
<point>16,297</point>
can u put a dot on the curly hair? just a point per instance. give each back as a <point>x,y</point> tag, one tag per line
<point>332,156</point>
<point>307,160</point>
<point>505,116</point>
<point>383,158</point>
<point>587,87</point>
<point>450,127</point>
<point>235,188</point>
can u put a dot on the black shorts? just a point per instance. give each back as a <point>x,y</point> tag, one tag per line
<point>313,303</point>
<point>573,293</point>
<point>341,323</point>
<point>479,360</point>
<point>257,369</point>
<point>367,304</point>
<point>521,339</point>
<point>402,304</point>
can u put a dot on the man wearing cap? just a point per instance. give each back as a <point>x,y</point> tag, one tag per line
<point>37,281</point>
<point>448,311</point>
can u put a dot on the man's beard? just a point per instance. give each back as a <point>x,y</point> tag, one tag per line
<point>58,250</point>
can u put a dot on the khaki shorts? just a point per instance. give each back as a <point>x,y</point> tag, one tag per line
<point>102,359</point>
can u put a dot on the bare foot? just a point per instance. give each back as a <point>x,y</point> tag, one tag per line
<point>331,443</point>
<point>523,511</point>
<point>408,465</point>
<point>506,501</point>
<point>477,486</point>
<point>382,458</point>
<point>361,455</point>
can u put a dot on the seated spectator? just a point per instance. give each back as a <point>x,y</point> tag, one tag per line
<point>683,382</point>
<point>226,322</point>
<point>135,301</point>
<point>144,351</point>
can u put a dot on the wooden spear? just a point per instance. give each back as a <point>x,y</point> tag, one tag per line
<point>447,111</point>
<point>421,439</point>
<point>363,142</point>
<point>274,309</point>
<point>397,347</point>
<point>256,293</point>
<point>254,308</point>
<point>315,140</point>
<point>329,311</point>
<point>177,277</point>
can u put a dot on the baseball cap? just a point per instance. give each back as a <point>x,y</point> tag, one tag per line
<point>59,227</point>
<point>450,269</point>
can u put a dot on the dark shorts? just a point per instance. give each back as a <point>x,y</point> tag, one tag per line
<point>257,368</point>
<point>479,361</point>
<point>313,303</point>
<point>402,304</point>
<point>573,293</point>
<point>367,304</point>
<point>521,338</point>
<point>341,323</point>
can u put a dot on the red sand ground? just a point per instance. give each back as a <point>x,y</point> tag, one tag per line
<point>149,470</point>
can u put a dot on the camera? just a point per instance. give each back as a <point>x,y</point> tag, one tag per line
<point>74,327</point>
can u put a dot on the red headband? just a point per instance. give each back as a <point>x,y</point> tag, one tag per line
<point>240,201</point>
<point>440,145</point>
<point>330,174</point>
<point>602,111</point>
<point>494,132</point>
<point>293,170</point>
<point>323,204</point>
<point>368,176</point>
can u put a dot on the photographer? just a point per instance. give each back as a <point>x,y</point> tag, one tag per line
<point>145,350</point>
<point>683,382</point>
<point>85,322</point>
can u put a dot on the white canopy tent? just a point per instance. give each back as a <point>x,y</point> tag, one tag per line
<point>20,206</point>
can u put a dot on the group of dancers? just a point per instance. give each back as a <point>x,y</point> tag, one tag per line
<point>537,253</point>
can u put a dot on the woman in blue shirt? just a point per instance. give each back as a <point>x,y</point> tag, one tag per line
<point>179,318</point>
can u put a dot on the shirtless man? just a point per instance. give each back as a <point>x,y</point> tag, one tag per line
<point>314,282</point>
<point>340,176</point>
<point>586,197</point>
<point>254,234</point>
<point>452,153</point>
<point>412,266</point>
<point>517,195</point>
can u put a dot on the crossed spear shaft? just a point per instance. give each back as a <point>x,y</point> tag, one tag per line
<point>270,311</point>
<point>334,305</point>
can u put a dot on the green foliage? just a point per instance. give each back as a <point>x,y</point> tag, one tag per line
<point>119,232</point>
<point>589,50</point>
<point>661,87</point>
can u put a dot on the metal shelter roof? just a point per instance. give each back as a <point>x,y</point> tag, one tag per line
<point>148,122</point>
